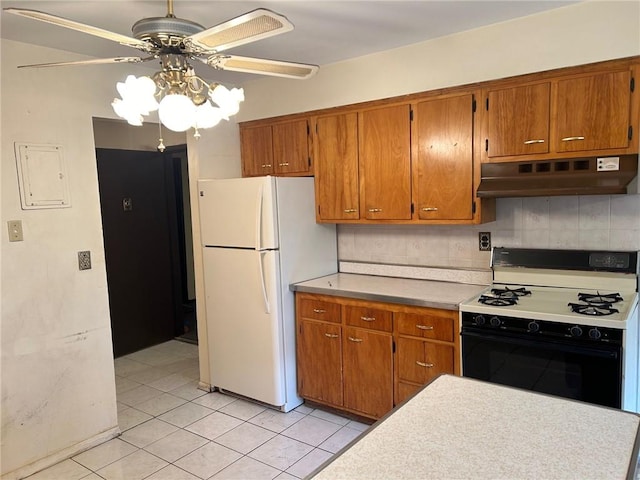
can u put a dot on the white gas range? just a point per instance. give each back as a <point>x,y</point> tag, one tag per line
<point>562,322</point>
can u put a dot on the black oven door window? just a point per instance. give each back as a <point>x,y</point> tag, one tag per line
<point>590,373</point>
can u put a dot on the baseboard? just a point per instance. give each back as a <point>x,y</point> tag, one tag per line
<point>61,455</point>
<point>205,386</point>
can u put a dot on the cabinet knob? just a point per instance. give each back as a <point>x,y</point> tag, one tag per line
<point>285,164</point>
<point>425,327</point>
<point>429,209</point>
<point>426,365</point>
<point>368,319</point>
<point>319,310</point>
<point>530,142</point>
<point>353,339</point>
<point>375,210</point>
<point>266,165</point>
<point>350,210</point>
<point>331,335</point>
<point>572,139</point>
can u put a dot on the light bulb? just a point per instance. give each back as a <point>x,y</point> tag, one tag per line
<point>177,112</point>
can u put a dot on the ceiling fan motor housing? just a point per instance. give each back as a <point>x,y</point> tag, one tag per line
<point>165,31</point>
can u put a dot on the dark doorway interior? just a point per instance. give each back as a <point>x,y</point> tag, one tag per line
<point>143,220</point>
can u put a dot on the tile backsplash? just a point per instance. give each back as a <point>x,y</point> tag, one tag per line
<point>607,222</point>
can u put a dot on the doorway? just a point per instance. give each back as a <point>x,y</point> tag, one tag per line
<point>144,197</point>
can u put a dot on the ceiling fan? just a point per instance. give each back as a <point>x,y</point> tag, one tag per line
<point>183,99</point>
<point>175,40</point>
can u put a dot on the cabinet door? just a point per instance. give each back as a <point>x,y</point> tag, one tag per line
<point>319,351</point>
<point>336,167</point>
<point>593,112</point>
<point>368,371</point>
<point>291,147</point>
<point>256,144</point>
<point>443,169</point>
<point>384,140</point>
<point>420,361</point>
<point>518,120</point>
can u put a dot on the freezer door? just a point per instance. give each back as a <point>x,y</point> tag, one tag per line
<point>244,326</point>
<point>238,212</point>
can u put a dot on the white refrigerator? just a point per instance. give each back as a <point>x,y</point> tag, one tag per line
<point>259,235</point>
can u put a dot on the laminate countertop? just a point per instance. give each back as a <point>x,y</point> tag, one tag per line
<point>423,293</point>
<point>461,428</point>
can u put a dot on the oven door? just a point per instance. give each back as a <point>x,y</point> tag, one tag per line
<point>587,372</point>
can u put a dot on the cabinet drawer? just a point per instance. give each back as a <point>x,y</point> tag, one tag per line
<point>419,361</point>
<point>372,318</point>
<point>426,326</point>
<point>319,310</point>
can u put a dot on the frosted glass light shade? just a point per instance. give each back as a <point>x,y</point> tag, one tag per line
<point>177,112</point>
<point>207,115</point>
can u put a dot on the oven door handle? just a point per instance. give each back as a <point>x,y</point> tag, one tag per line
<point>601,351</point>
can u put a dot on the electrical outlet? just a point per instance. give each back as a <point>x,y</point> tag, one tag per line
<point>484,241</point>
<point>15,230</point>
<point>84,260</point>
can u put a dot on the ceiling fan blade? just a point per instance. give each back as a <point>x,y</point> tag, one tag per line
<point>81,27</point>
<point>247,28</point>
<point>96,61</point>
<point>262,66</point>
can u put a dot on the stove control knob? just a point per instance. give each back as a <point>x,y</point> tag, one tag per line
<point>480,320</point>
<point>575,331</point>
<point>495,321</point>
<point>533,326</point>
<point>595,334</point>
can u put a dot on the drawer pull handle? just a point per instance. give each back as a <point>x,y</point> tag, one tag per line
<point>331,335</point>
<point>424,327</point>
<point>319,310</point>
<point>357,340</point>
<point>375,210</point>
<point>426,365</point>
<point>266,165</point>
<point>350,210</point>
<point>530,142</point>
<point>368,319</point>
<point>429,209</point>
<point>572,139</point>
<point>285,164</point>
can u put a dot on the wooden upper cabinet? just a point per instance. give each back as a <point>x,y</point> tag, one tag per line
<point>384,141</point>
<point>443,166</point>
<point>593,112</point>
<point>336,167</point>
<point>518,120</point>
<point>291,147</point>
<point>280,148</point>
<point>256,146</point>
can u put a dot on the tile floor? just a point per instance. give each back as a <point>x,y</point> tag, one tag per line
<point>173,431</point>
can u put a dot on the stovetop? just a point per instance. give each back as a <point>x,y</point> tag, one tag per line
<point>552,304</point>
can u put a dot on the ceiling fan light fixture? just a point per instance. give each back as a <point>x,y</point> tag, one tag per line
<point>177,112</point>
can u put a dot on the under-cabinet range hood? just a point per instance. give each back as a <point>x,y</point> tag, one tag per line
<point>583,176</point>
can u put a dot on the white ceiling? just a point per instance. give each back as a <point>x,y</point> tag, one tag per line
<point>325,31</point>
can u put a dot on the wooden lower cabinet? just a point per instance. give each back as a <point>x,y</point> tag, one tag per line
<point>368,371</point>
<point>365,357</point>
<point>319,350</point>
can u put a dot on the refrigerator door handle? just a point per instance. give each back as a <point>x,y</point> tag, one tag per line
<point>259,224</point>
<point>265,298</point>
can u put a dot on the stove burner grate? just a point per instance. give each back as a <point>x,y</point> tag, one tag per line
<point>497,301</point>
<point>600,299</point>
<point>507,292</point>
<point>597,309</point>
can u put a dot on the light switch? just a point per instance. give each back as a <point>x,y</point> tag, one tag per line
<point>15,230</point>
<point>84,260</point>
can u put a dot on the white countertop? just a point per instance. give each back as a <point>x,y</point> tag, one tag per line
<point>424,293</point>
<point>463,428</point>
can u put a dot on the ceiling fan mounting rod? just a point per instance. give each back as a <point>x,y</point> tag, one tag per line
<point>170,9</point>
